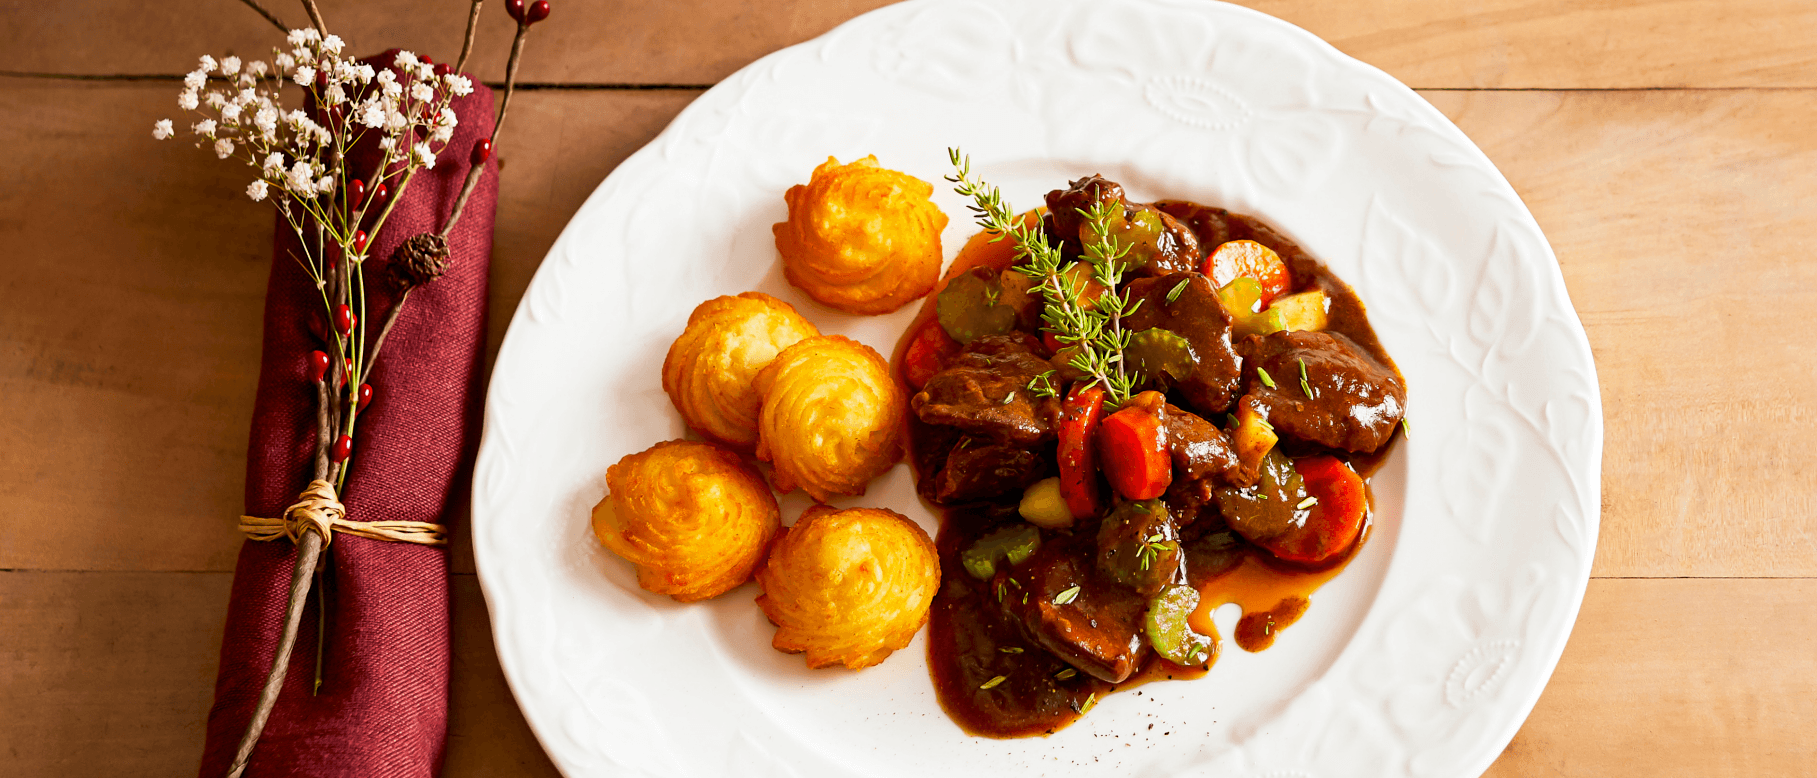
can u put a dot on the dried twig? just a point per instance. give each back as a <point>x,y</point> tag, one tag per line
<point>253,4</point>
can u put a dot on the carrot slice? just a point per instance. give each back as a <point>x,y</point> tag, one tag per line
<point>1249,259</point>
<point>928,353</point>
<point>1136,460</point>
<point>1335,520</point>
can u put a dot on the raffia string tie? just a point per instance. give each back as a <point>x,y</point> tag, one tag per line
<point>317,510</point>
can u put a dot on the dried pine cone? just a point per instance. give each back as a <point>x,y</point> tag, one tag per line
<point>419,260</point>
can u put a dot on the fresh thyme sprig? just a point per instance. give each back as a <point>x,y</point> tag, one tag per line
<point>1094,331</point>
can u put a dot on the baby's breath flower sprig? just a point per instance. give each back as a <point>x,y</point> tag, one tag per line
<point>1091,329</point>
<point>303,162</point>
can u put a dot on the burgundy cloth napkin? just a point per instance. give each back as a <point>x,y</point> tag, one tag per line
<point>383,707</point>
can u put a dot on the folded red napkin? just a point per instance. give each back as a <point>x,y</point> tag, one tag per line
<point>383,707</point>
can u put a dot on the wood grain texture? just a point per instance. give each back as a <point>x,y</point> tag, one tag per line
<point>113,674</point>
<point>134,347</point>
<point>1681,214</point>
<point>1684,234</point>
<point>131,302</point>
<point>110,674</point>
<point>1524,44</point>
<point>1670,678</point>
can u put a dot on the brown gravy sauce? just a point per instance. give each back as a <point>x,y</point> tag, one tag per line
<point>995,682</point>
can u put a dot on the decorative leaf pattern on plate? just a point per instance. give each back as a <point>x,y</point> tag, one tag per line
<point>1486,547</point>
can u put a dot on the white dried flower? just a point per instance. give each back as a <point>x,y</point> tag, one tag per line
<point>373,115</point>
<point>230,65</point>
<point>392,89</point>
<point>460,85</point>
<point>297,37</point>
<point>332,44</point>
<point>187,100</point>
<point>162,130</point>
<point>425,71</point>
<point>386,77</point>
<point>223,148</point>
<point>447,118</point>
<point>214,100</point>
<point>422,91</point>
<point>257,68</point>
<point>230,113</point>
<point>208,64</point>
<point>305,76</point>
<point>404,60</point>
<point>395,122</point>
<point>442,134</point>
<point>425,155</point>
<point>388,143</point>
<point>325,185</point>
<point>285,62</point>
<point>205,128</point>
<point>274,164</point>
<point>365,73</point>
<point>245,79</point>
<point>194,79</point>
<point>266,119</point>
<point>301,179</point>
<point>334,95</point>
<point>256,190</point>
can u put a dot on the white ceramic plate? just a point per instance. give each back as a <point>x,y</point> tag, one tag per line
<point>1421,659</point>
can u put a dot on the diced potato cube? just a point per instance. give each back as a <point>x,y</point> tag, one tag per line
<point>1043,506</point>
<point>1304,311</point>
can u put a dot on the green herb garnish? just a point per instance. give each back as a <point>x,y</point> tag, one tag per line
<point>1066,674</point>
<point>992,683</point>
<point>1095,333</point>
<point>1071,593</point>
<point>1304,385</point>
<point>1267,380</point>
<point>1173,295</point>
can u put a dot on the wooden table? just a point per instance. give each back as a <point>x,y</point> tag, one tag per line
<point>1667,147</point>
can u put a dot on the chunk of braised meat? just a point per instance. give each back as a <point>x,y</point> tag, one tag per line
<point>1200,449</point>
<point>976,469</point>
<point>984,391</point>
<point>1139,547</point>
<point>1073,611</point>
<point>1216,226</point>
<point>1348,400</point>
<point>1160,244</point>
<point>1068,208</point>
<point>1195,315</point>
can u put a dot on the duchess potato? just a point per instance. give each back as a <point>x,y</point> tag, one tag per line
<point>860,237</point>
<point>832,417</point>
<point>848,587</point>
<point>711,369</point>
<point>693,518</point>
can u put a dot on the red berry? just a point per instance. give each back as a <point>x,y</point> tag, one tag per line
<point>365,395</point>
<point>379,192</point>
<point>537,12</point>
<point>516,9</point>
<point>359,241</point>
<point>356,192</point>
<point>482,151</point>
<point>318,365</point>
<point>442,69</point>
<point>348,372</point>
<point>425,59</point>
<point>344,319</point>
<point>343,448</point>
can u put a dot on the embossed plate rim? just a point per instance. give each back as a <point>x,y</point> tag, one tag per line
<point>1504,397</point>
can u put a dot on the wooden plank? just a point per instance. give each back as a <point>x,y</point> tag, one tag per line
<point>1554,44</point>
<point>128,347</point>
<point>1666,678</point>
<point>111,674</point>
<point>1684,234</point>
<point>129,336</point>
